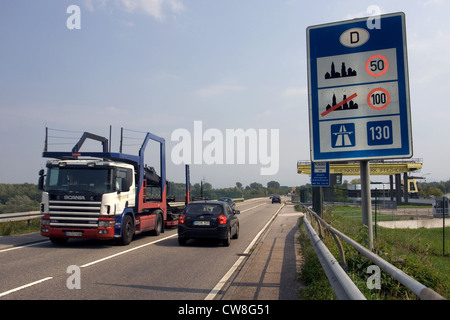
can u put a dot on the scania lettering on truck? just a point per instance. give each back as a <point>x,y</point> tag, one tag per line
<point>104,195</point>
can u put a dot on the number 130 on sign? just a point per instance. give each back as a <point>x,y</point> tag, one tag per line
<point>379,133</point>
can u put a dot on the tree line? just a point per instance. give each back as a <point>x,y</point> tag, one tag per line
<point>27,197</point>
<point>206,190</point>
<point>439,189</point>
<point>19,197</point>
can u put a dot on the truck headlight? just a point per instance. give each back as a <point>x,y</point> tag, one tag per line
<point>106,223</point>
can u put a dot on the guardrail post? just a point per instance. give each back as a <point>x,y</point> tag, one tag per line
<point>342,260</point>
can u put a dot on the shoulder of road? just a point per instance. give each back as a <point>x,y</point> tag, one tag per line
<point>270,271</point>
<point>7,242</point>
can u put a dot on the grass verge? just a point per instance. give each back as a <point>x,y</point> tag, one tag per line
<point>19,227</point>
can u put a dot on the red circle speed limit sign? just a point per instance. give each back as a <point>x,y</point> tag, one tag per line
<point>378,98</point>
<point>377,65</point>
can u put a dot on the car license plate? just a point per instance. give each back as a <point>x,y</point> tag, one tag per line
<point>74,233</point>
<point>201,223</point>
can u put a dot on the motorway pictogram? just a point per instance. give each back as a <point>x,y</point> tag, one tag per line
<point>343,135</point>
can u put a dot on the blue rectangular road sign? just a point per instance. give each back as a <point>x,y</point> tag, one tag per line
<point>358,90</point>
<point>320,174</point>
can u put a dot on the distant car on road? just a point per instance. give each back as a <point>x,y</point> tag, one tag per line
<point>208,220</point>
<point>276,198</point>
<point>230,202</point>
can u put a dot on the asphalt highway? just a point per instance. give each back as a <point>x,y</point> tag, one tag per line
<point>150,268</point>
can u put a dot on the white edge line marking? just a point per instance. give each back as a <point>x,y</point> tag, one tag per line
<point>225,278</point>
<point>126,251</point>
<point>252,208</point>
<point>23,246</point>
<point>24,286</point>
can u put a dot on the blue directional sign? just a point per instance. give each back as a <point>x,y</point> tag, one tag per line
<point>359,90</point>
<point>320,174</point>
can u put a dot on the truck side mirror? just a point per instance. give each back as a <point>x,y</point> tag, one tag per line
<point>41,179</point>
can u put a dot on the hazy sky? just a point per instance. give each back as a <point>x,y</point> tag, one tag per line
<point>161,65</point>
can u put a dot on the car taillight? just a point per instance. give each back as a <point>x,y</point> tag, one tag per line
<point>182,218</point>
<point>222,219</point>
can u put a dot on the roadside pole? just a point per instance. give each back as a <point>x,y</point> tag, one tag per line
<point>366,203</point>
<point>444,202</point>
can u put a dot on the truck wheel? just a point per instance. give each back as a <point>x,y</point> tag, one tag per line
<point>158,225</point>
<point>127,230</point>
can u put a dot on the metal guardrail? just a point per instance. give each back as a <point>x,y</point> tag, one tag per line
<point>341,283</point>
<point>20,216</point>
<point>338,278</point>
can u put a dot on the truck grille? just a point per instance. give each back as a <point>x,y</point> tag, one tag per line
<point>81,214</point>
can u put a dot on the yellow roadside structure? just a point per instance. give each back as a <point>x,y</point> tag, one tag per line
<point>376,168</point>
<point>391,168</point>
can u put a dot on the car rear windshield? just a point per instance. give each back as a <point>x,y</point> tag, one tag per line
<point>204,208</point>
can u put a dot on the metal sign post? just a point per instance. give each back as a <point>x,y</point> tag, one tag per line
<point>444,203</point>
<point>358,92</point>
<point>366,203</point>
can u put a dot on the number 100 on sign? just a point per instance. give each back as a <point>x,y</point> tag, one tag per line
<point>379,133</point>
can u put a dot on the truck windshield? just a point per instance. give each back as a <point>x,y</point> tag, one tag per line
<point>79,180</point>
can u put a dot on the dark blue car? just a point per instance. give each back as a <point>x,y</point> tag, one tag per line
<point>276,198</point>
<point>208,220</point>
